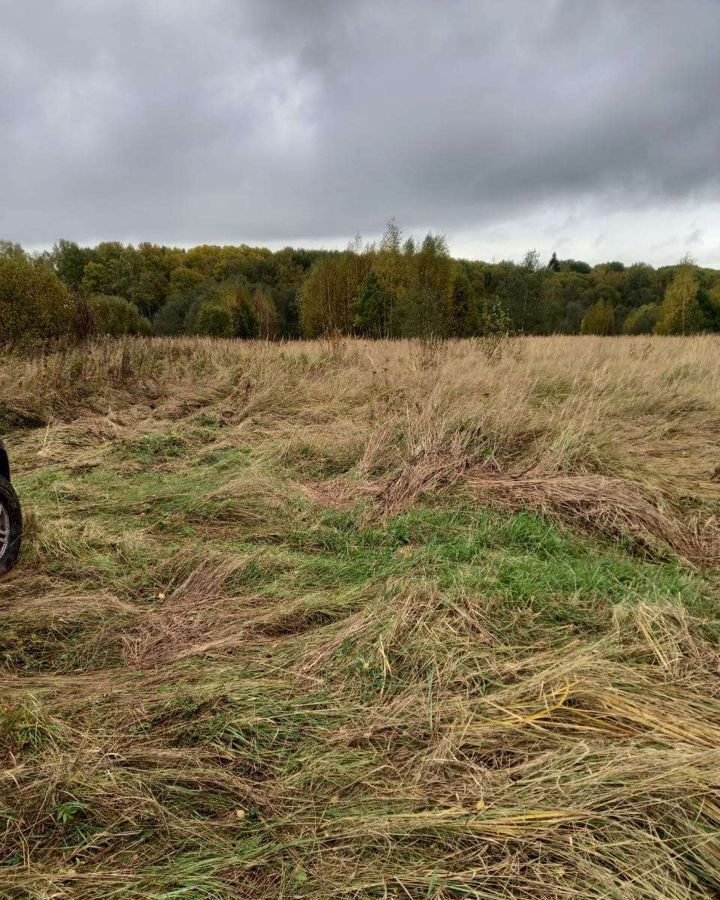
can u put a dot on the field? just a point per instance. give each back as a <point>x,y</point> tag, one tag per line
<point>364,620</point>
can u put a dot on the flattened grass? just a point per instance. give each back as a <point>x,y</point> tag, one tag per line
<point>229,669</point>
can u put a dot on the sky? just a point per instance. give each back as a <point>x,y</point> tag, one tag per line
<point>589,128</point>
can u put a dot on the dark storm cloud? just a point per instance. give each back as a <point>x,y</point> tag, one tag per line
<point>276,121</point>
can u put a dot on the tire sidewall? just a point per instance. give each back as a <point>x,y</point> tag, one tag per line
<point>9,501</point>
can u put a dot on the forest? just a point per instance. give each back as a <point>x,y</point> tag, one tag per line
<point>395,288</point>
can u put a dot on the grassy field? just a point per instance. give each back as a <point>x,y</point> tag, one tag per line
<point>345,619</point>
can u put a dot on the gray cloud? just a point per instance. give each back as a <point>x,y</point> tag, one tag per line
<point>268,121</point>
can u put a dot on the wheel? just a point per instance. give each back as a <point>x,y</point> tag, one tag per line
<point>10,526</point>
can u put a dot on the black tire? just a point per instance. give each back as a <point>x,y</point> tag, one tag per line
<point>10,526</point>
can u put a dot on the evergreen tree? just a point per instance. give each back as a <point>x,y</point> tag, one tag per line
<point>554,264</point>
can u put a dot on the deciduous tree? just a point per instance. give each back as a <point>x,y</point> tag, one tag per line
<point>34,304</point>
<point>599,319</point>
<point>680,311</point>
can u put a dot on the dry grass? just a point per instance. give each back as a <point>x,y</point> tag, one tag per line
<point>364,619</point>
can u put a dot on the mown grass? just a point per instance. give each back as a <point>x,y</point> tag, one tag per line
<point>270,639</point>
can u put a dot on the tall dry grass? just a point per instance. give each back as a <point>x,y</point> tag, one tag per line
<point>629,424</point>
<point>267,642</point>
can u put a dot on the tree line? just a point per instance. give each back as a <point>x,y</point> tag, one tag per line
<point>393,288</point>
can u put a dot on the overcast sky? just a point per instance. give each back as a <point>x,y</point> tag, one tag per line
<point>592,128</point>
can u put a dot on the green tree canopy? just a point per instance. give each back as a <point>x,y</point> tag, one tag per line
<point>34,304</point>
<point>599,319</point>
<point>642,320</point>
<point>371,310</point>
<point>465,312</point>
<point>680,311</point>
<point>214,320</point>
<point>116,316</point>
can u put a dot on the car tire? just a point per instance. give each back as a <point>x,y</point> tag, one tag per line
<point>10,526</point>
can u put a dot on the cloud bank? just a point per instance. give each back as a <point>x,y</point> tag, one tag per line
<point>590,128</point>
